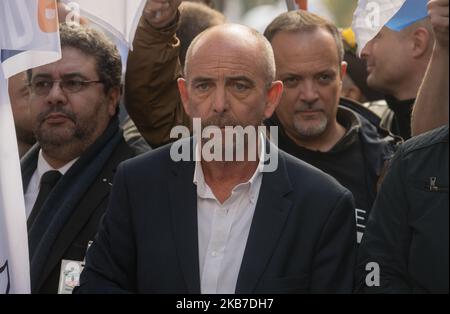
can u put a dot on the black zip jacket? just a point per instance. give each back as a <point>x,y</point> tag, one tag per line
<point>407,237</point>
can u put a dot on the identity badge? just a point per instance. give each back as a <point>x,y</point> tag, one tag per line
<point>69,276</point>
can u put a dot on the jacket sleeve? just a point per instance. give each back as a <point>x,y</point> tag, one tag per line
<point>151,92</point>
<point>335,257</point>
<point>385,244</point>
<point>111,259</point>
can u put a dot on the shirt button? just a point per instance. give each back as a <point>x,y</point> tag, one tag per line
<point>214,254</point>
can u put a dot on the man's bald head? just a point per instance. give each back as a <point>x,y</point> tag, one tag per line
<point>423,25</point>
<point>239,38</point>
<point>397,60</point>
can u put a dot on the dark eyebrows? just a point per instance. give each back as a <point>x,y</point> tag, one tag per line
<point>329,72</point>
<point>286,75</point>
<point>64,77</point>
<point>43,75</point>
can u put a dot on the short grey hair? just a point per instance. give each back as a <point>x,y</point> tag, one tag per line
<point>303,22</point>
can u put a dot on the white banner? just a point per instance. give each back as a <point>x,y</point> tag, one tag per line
<point>28,38</point>
<point>119,17</point>
<point>370,16</point>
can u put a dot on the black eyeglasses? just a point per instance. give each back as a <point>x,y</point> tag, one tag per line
<point>42,87</point>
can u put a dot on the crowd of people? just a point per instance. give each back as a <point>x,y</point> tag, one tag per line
<point>357,203</point>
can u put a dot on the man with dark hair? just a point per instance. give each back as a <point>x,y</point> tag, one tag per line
<point>68,175</point>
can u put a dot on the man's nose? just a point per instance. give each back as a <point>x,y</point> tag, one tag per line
<point>308,92</point>
<point>220,102</point>
<point>365,52</point>
<point>56,95</point>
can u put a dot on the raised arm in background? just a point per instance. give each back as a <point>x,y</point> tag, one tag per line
<point>151,92</point>
<point>431,108</point>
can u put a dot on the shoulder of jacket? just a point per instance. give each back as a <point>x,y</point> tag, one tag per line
<point>361,109</point>
<point>300,172</point>
<point>432,138</point>
<point>370,123</point>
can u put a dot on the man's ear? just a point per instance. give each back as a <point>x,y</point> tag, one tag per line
<point>420,40</point>
<point>343,73</point>
<point>344,66</point>
<point>113,97</point>
<point>182,87</point>
<point>273,98</point>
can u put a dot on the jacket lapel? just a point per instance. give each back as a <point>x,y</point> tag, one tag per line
<point>183,205</point>
<point>28,165</point>
<point>95,196</point>
<point>270,216</point>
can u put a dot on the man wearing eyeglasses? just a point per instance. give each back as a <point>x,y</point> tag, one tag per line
<point>68,175</point>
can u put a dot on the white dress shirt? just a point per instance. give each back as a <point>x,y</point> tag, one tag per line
<point>34,186</point>
<point>223,229</point>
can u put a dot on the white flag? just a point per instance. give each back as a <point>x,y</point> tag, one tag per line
<point>119,17</point>
<point>28,38</point>
<point>371,15</point>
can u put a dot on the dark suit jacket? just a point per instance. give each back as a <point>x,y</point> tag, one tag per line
<point>302,237</point>
<point>71,243</point>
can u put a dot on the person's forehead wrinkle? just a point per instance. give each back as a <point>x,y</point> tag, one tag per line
<point>62,70</point>
<point>319,43</point>
<point>307,67</point>
<point>225,75</point>
<point>221,62</point>
<point>73,75</point>
<point>73,61</point>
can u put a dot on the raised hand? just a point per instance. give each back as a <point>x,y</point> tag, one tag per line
<point>439,15</point>
<point>161,13</point>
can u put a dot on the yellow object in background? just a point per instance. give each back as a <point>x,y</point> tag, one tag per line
<point>349,37</point>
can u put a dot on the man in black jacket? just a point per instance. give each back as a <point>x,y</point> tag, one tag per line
<point>68,175</point>
<point>335,135</point>
<point>224,225</point>
<point>351,148</point>
<point>405,247</point>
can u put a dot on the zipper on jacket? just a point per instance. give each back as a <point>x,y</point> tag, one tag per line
<point>434,187</point>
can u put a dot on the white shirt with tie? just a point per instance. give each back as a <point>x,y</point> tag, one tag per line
<point>34,186</point>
